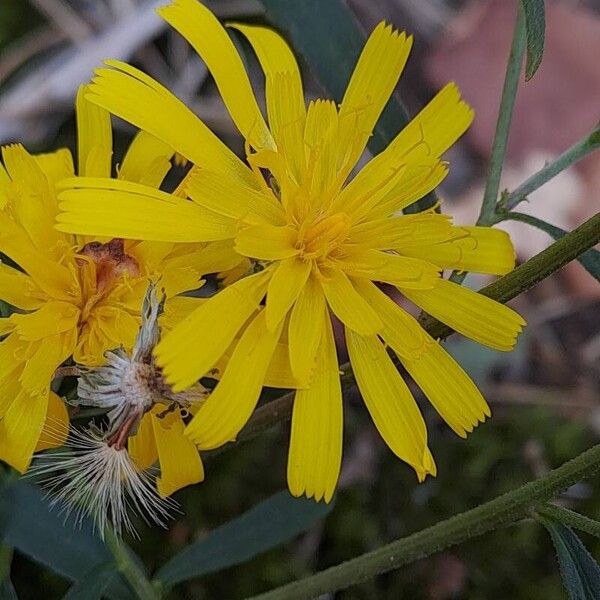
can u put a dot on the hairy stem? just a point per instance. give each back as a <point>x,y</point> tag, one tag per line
<point>130,570</point>
<point>509,507</point>
<point>568,158</point>
<point>507,102</point>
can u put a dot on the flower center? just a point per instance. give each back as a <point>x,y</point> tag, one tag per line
<point>321,236</point>
<point>101,265</point>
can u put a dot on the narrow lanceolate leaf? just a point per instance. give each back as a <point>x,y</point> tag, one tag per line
<point>590,259</point>
<point>580,572</point>
<point>266,525</point>
<point>30,527</point>
<point>535,24</point>
<point>329,38</point>
<point>93,584</point>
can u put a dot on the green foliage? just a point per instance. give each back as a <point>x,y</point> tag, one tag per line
<point>535,25</point>
<point>93,584</point>
<point>580,572</point>
<point>268,524</point>
<point>28,525</point>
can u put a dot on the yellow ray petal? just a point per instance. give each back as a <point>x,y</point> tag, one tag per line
<point>305,328</point>
<point>391,268</point>
<point>52,318</point>
<point>51,277</point>
<point>476,249</point>
<point>285,97</point>
<point>201,28</point>
<point>22,422</point>
<point>147,160</point>
<point>94,137</point>
<point>279,374</point>
<point>180,463</point>
<point>33,201</point>
<point>19,289</point>
<point>90,206</point>
<point>285,285</point>
<point>105,328</point>
<point>195,345</point>
<point>234,199</point>
<point>56,165</point>
<point>376,73</point>
<point>438,125</point>
<point>392,407</point>
<point>400,331</point>
<point>419,180</point>
<point>230,405</point>
<point>177,309</point>
<point>315,453</point>
<point>273,52</point>
<point>176,281</point>
<point>448,388</point>
<point>348,305</point>
<point>321,143</point>
<point>475,316</point>
<point>134,96</point>
<point>56,425</point>
<point>46,357</point>
<point>402,231</point>
<point>142,446</point>
<point>4,184</point>
<point>21,427</point>
<point>152,254</point>
<point>418,146</point>
<point>214,257</point>
<point>267,242</point>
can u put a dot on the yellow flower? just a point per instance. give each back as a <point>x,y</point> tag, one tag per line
<point>74,296</point>
<point>322,239</point>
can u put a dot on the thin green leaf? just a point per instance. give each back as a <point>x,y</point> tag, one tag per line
<point>28,525</point>
<point>268,524</point>
<point>535,24</point>
<point>329,38</point>
<point>580,572</point>
<point>589,259</point>
<point>93,584</point>
<point>570,518</point>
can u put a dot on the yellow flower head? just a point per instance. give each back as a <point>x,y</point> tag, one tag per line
<point>321,241</point>
<point>74,296</point>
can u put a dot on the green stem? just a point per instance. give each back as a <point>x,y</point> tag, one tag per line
<point>130,570</point>
<point>509,507</point>
<point>507,102</point>
<point>570,518</point>
<point>504,289</point>
<point>568,158</point>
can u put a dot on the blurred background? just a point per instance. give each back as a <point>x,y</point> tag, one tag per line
<point>544,395</point>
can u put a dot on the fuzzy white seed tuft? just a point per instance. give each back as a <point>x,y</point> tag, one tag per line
<point>88,477</point>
